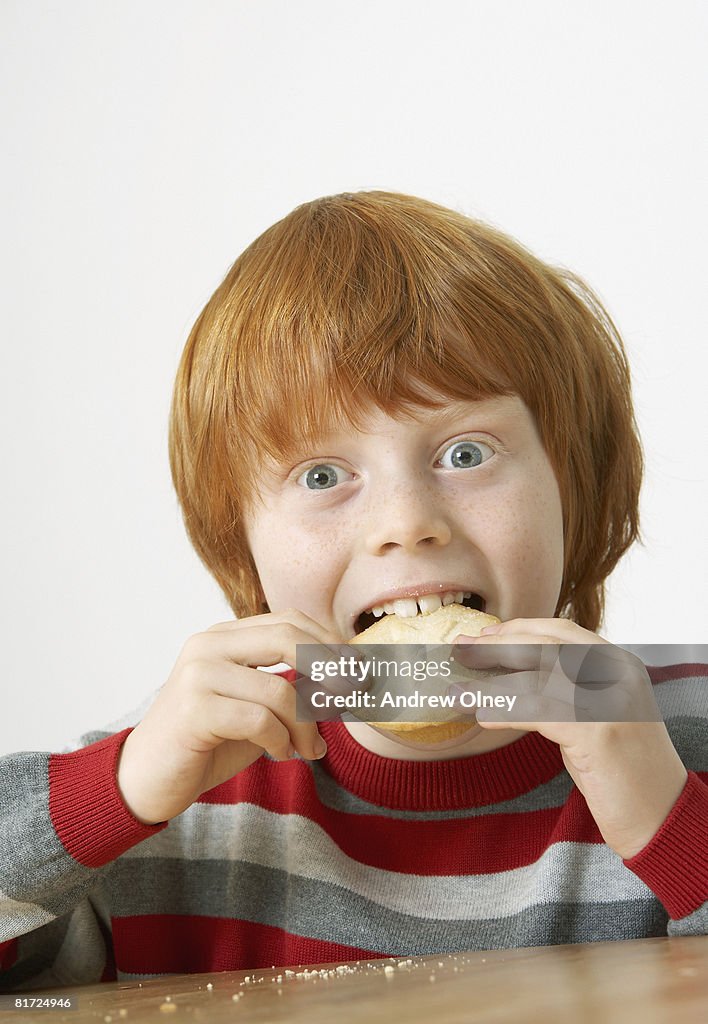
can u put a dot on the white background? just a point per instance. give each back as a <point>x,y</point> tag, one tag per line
<point>145,144</point>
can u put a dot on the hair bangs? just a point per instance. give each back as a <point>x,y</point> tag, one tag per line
<point>324,392</point>
<point>355,311</point>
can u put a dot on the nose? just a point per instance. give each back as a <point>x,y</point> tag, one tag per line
<point>410,519</point>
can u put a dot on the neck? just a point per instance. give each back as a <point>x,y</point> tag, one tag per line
<point>459,781</point>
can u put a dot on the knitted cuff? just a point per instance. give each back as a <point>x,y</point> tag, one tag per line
<point>674,863</point>
<point>86,808</point>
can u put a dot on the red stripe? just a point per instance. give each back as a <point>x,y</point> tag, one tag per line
<point>665,673</point>
<point>8,954</point>
<point>175,944</point>
<point>451,846</point>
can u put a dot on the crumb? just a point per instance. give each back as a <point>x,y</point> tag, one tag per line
<point>388,969</point>
<point>209,986</point>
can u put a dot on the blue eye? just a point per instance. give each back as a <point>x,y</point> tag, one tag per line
<point>320,477</point>
<point>467,454</point>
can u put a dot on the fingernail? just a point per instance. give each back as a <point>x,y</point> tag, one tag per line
<point>320,748</point>
<point>489,629</point>
<point>464,639</point>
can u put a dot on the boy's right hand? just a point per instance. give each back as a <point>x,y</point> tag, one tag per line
<point>216,714</point>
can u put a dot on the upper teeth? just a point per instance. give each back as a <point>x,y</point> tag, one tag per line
<point>407,607</point>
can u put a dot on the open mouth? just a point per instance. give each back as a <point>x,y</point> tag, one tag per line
<point>424,605</point>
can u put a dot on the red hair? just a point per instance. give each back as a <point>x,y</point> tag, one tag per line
<point>377,298</point>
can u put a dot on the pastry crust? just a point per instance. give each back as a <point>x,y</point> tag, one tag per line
<point>438,627</point>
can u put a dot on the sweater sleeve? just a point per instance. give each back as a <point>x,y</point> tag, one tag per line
<point>674,863</point>
<point>62,823</point>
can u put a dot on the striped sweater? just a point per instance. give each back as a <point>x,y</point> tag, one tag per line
<point>355,855</point>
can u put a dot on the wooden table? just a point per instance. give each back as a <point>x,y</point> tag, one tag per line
<point>644,980</point>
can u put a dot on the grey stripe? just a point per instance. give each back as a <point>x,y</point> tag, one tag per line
<point>331,913</point>
<point>246,833</point>
<point>36,873</point>
<point>689,736</point>
<point>17,918</point>
<point>683,697</point>
<point>695,923</point>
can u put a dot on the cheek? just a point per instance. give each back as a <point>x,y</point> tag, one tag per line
<point>291,555</point>
<point>538,545</point>
<point>521,529</point>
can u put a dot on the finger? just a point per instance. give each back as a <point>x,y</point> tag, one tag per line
<point>293,615</point>
<point>260,643</point>
<point>520,652</point>
<point>506,692</point>
<point>589,702</point>
<point>243,720</point>
<point>246,686</point>
<point>609,684</point>
<point>581,675</point>
<point>308,653</point>
<point>601,664</point>
<point>286,702</point>
<point>564,630</point>
<point>529,712</point>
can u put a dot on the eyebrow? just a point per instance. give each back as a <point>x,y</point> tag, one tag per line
<point>472,407</point>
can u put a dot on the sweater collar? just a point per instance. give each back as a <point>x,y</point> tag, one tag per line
<point>474,781</point>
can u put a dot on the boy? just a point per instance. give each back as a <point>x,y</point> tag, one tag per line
<point>382,400</point>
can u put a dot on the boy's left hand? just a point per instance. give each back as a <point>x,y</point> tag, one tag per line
<point>627,768</point>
